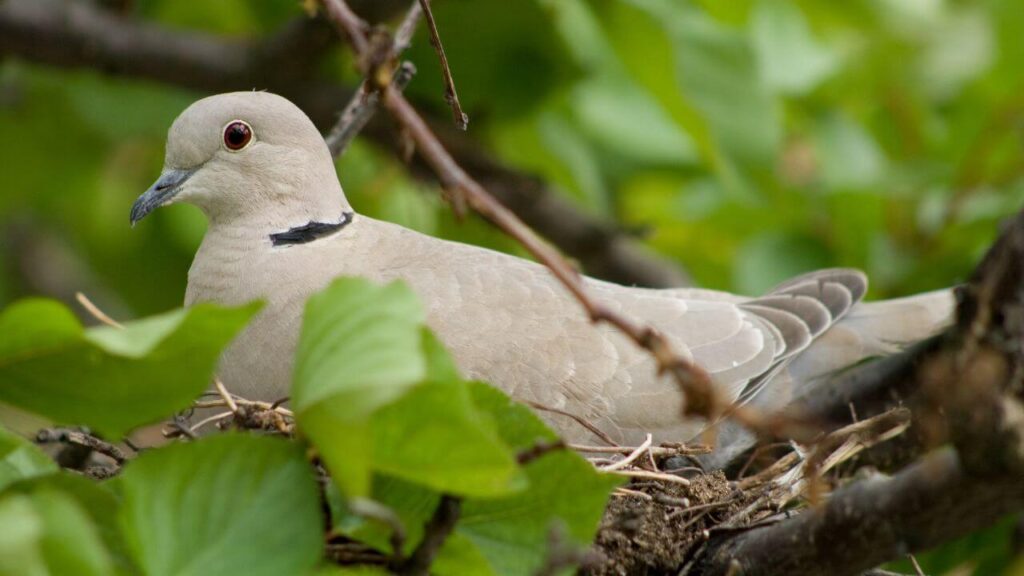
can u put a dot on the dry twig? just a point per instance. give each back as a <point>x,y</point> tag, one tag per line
<point>450,95</point>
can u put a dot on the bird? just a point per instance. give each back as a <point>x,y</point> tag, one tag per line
<point>280,229</point>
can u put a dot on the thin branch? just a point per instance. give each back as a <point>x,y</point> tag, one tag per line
<point>378,512</point>
<point>407,29</point>
<point>539,449</point>
<point>79,438</point>
<point>95,311</point>
<point>360,110</point>
<point>648,475</point>
<point>225,395</point>
<point>436,531</point>
<point>600,434</point>
<point>209,420</point>
<point>450,95</point>
<point>631,457</point>
<point>676,450</point>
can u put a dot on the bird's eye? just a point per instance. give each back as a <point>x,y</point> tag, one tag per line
<point>237,135</point>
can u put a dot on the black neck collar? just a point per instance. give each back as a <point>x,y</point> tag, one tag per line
<point>309,232</point>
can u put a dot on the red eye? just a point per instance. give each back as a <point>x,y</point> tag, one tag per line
<point>237,134</point>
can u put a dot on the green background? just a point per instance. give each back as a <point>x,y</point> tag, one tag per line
<point>747,140</point>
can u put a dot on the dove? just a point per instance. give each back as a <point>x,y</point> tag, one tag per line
<point>281,229</point>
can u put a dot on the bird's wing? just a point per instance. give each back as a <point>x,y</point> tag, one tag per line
<point>803,309</point>
<point>869,329</point>
<point>508,321</point>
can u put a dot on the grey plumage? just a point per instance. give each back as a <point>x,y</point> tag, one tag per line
<point>506,320</point>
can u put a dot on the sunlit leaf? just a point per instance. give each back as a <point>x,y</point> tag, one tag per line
<point>107,378</point>
<point>228,504</point>
<point>791,59</point>
<point>48,533</point>
<point>360,348</point>
<point>19,459</point>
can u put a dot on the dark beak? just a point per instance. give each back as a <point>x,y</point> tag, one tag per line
<point>160,193</point>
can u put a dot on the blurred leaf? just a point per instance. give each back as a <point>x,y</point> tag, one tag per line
<point>704,75</point>
<point>227,504</point>
<point>768,259</point>
<point>224,16</point>
<point>960,49</point>
<point>96,500</point>
<point>849,157</point>
<point>19,459</point>
<point>629,123</point>
<point>360,348</point>
<point>109,379</point>
<point>485,42</point>
<point>99,102</point>
<point>332,570</point>
<point>791,60</point>
<point>987,551</point>
<point>47,533</point>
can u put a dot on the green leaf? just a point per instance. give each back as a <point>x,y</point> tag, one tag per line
<point>704,75</point>
<point>228,504</point>
<point>351,571</point>
<point>850,157</point>
<point>19,459</point>
<point>360,348</point>
<point>48,533</point>
<point>111,380</point>
<point>435,436</point>
<point>98,502</point>
<point>432,434</point>
<point>791,60</point>
<point>767,259</point>
<point>512,532</point>
<point>505,535</point>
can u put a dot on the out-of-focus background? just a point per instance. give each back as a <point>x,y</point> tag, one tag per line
<point>745,140</point>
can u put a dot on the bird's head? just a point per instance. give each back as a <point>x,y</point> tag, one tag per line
<point>251,157</point>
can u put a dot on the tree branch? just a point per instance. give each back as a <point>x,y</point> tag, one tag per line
<point>965,389</point>
<point>873,521</point>
<point>76,35</point>
<point>436,531</point>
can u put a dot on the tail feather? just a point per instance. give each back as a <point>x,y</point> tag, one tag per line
<point>802,309</point>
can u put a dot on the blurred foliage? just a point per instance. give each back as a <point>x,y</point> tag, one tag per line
<point>747,139</point>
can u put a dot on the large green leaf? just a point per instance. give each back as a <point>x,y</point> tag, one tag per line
<point>705,75</point>
<point>791,59</point>
<point>228,504</point>
<point>19,459</point>
<point>435,436</point>
<point>504,535</point>
<point>565,491</point>
<point>359,349</point>
<point>48,533</point>
<point>107,378</point>
<point>96,500</point>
